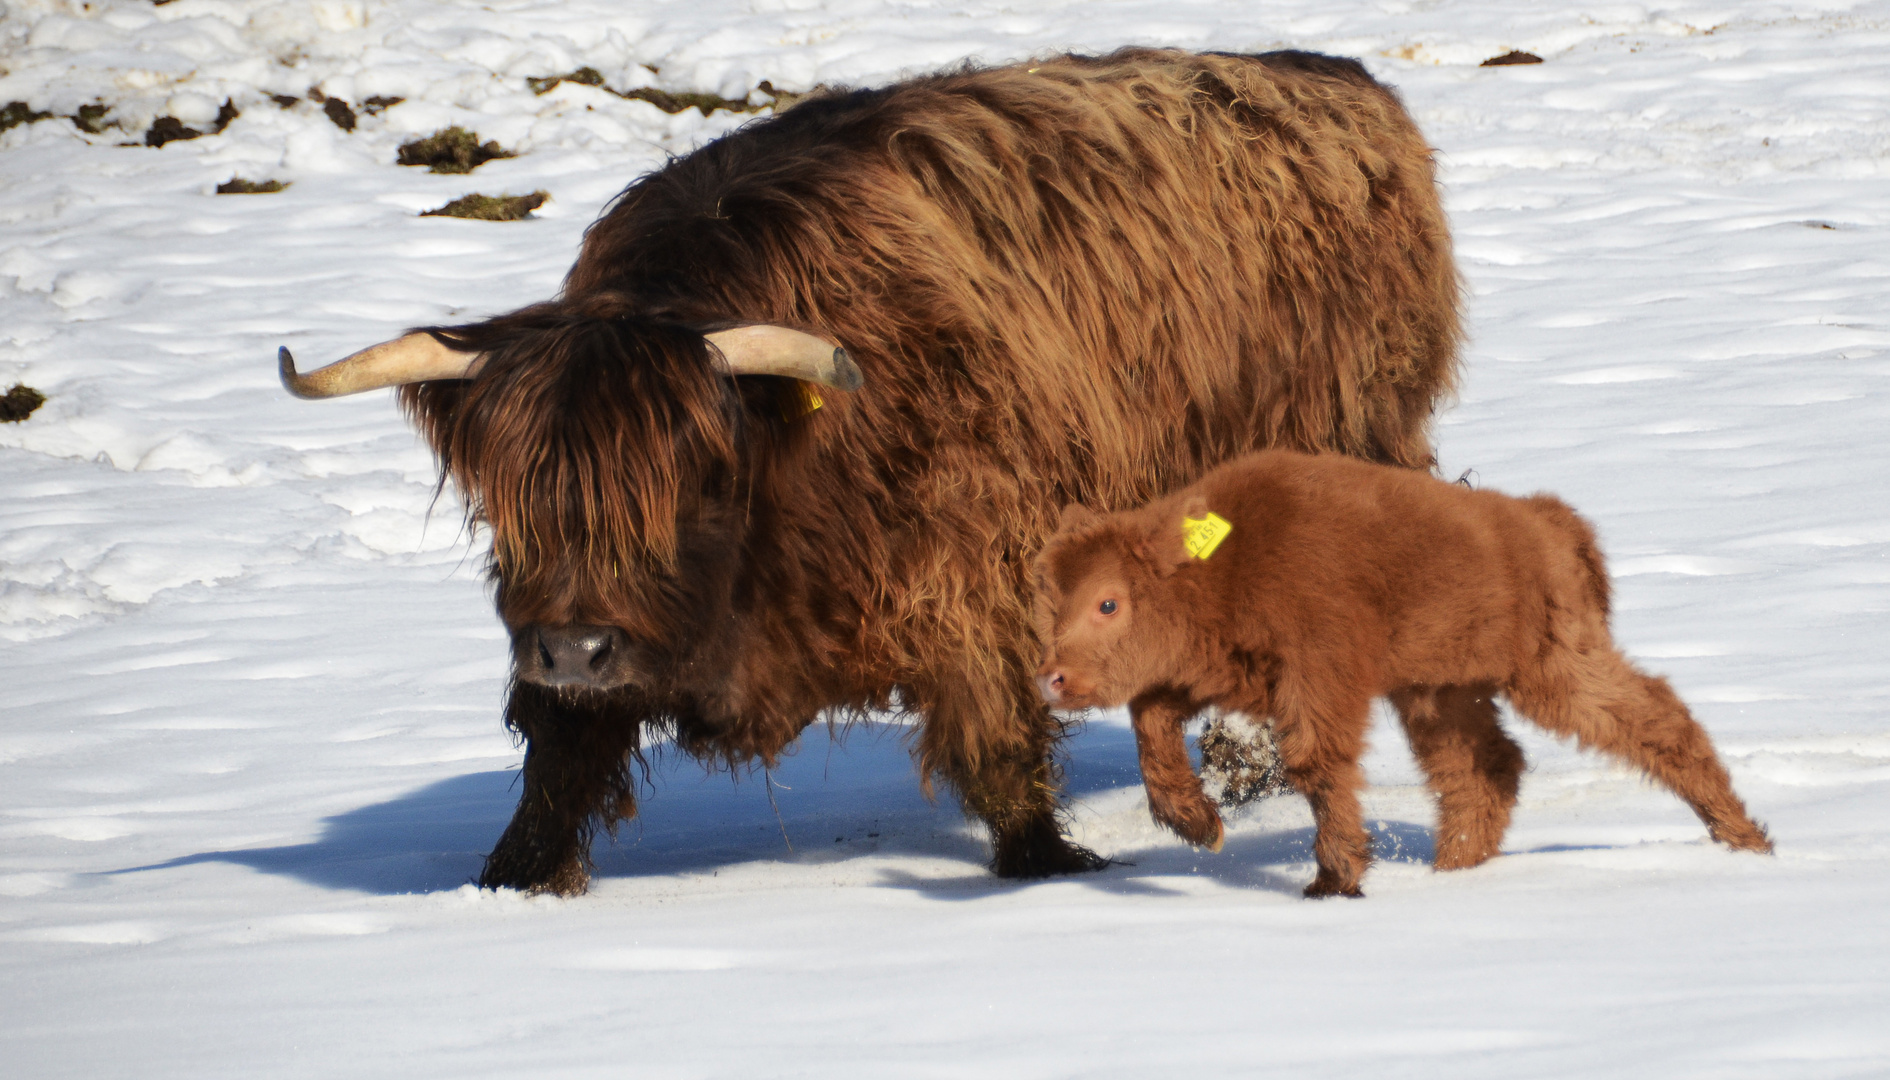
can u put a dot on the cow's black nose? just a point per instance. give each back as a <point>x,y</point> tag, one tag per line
<point>571,655</point>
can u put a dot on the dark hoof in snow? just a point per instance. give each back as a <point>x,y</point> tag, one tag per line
<point>566,878</point>
<point>1043,853</point>
<point>1324,890</point>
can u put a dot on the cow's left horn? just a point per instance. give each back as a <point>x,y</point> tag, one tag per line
<point>776,350</point>
<point>413,358</point>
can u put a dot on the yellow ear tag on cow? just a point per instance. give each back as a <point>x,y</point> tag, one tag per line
<point>810,401</point>
<point>1203,535</point>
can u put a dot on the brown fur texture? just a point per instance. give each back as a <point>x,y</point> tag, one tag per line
<point>1078,279</point>
<point>1342,581</point>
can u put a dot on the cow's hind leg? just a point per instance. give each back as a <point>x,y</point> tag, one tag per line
<point>1473,768</point>
<point>575,778</point>
<point>1001,767</point>
<point>1604,701</point>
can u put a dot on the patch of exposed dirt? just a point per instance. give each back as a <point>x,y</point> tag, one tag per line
<point>451,150</point>
<point>19,112</point>
<point>19,403</point>
<point>492,207</point>
<point>236,185</point>
<point>676,101</point>
<point>167,129</point>
<point>1514,56</point>
<point>91,119</point>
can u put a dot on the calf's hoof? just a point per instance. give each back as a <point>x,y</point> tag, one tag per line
<point>1220,838</point>
<point>1324,886</point>
<point>1743,836</point>
<point>1461,855</point>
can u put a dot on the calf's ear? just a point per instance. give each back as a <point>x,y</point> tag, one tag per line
<point>1076,516</point>
<point>1165,548</point>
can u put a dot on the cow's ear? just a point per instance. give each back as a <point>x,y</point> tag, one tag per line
<point>1076,516</point>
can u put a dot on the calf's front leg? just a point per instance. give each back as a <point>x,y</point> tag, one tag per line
<point>1175,798</point>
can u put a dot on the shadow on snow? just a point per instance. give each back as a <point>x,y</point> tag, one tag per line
<point>837,800</point>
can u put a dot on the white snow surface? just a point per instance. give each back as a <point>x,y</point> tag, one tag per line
<point>251,749</point>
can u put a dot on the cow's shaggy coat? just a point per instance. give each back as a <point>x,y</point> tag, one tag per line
<point>1080,279</point>
<point>1341,581</point>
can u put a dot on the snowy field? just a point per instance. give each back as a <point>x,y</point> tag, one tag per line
<point>251,751</point>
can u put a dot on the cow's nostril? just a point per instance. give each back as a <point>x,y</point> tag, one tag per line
<point>544,654</point>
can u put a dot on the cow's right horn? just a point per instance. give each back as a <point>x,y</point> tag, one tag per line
<point>776,350</point>
<point>409,359</point>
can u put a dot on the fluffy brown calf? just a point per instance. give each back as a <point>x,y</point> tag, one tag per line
<point>1303,586</point>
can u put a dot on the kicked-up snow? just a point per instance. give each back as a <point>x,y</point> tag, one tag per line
<point>251,751</point>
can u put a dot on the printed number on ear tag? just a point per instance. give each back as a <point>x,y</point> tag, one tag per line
<point>810,400</point>
<point>1203,535</point>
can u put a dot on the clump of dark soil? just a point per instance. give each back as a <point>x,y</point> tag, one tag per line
<point>451,150</point>
<point>166,129</point>
<point>673,101</point>
<point>19,403</point>
<point>1241,758</point>
<point>91,119</point>
<point>236,185</point>
<point>340,112</point>
<point>492,207</point>
<point>379,104</point>
<point>586,75</point>
<point>19,112</point>
<point>1514,56</point>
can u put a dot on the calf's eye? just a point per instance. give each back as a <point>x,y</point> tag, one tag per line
<point>1108,607</point>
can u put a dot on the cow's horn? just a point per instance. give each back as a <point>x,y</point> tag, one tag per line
<point>413,358</point>
<point>776,350</point>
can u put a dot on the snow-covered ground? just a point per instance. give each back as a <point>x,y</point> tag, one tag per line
<point>250,752</point>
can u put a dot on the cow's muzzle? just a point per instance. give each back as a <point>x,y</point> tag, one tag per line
<point>589,657</point>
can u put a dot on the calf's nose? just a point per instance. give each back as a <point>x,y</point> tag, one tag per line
<point>574,655</point>
<point>1050,685</point>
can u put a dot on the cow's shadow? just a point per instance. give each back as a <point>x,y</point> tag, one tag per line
<point>832,801</point>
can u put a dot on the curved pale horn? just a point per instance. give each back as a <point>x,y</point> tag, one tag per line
<point>776,350</point>
<point>413,358</point>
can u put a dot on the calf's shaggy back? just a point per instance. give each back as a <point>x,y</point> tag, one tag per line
<point>1302,586</point>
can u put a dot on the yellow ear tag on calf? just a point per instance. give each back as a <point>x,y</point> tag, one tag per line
<point>1203,535</point>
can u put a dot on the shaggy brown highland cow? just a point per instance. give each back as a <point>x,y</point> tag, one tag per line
<point>1303,586</point>
<point>1080,279</point>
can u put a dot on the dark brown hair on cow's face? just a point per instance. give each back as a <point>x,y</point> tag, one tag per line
<point>603,451</point>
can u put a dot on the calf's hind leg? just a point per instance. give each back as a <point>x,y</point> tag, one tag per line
<point>1607,703</point>
<point>1473,768</point>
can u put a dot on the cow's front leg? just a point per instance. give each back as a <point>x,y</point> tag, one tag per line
<point>996,754</point>
<point>576,778</point>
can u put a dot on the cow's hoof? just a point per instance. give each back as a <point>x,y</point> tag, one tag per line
<point>1043,852</point>
<point>565,878</point>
